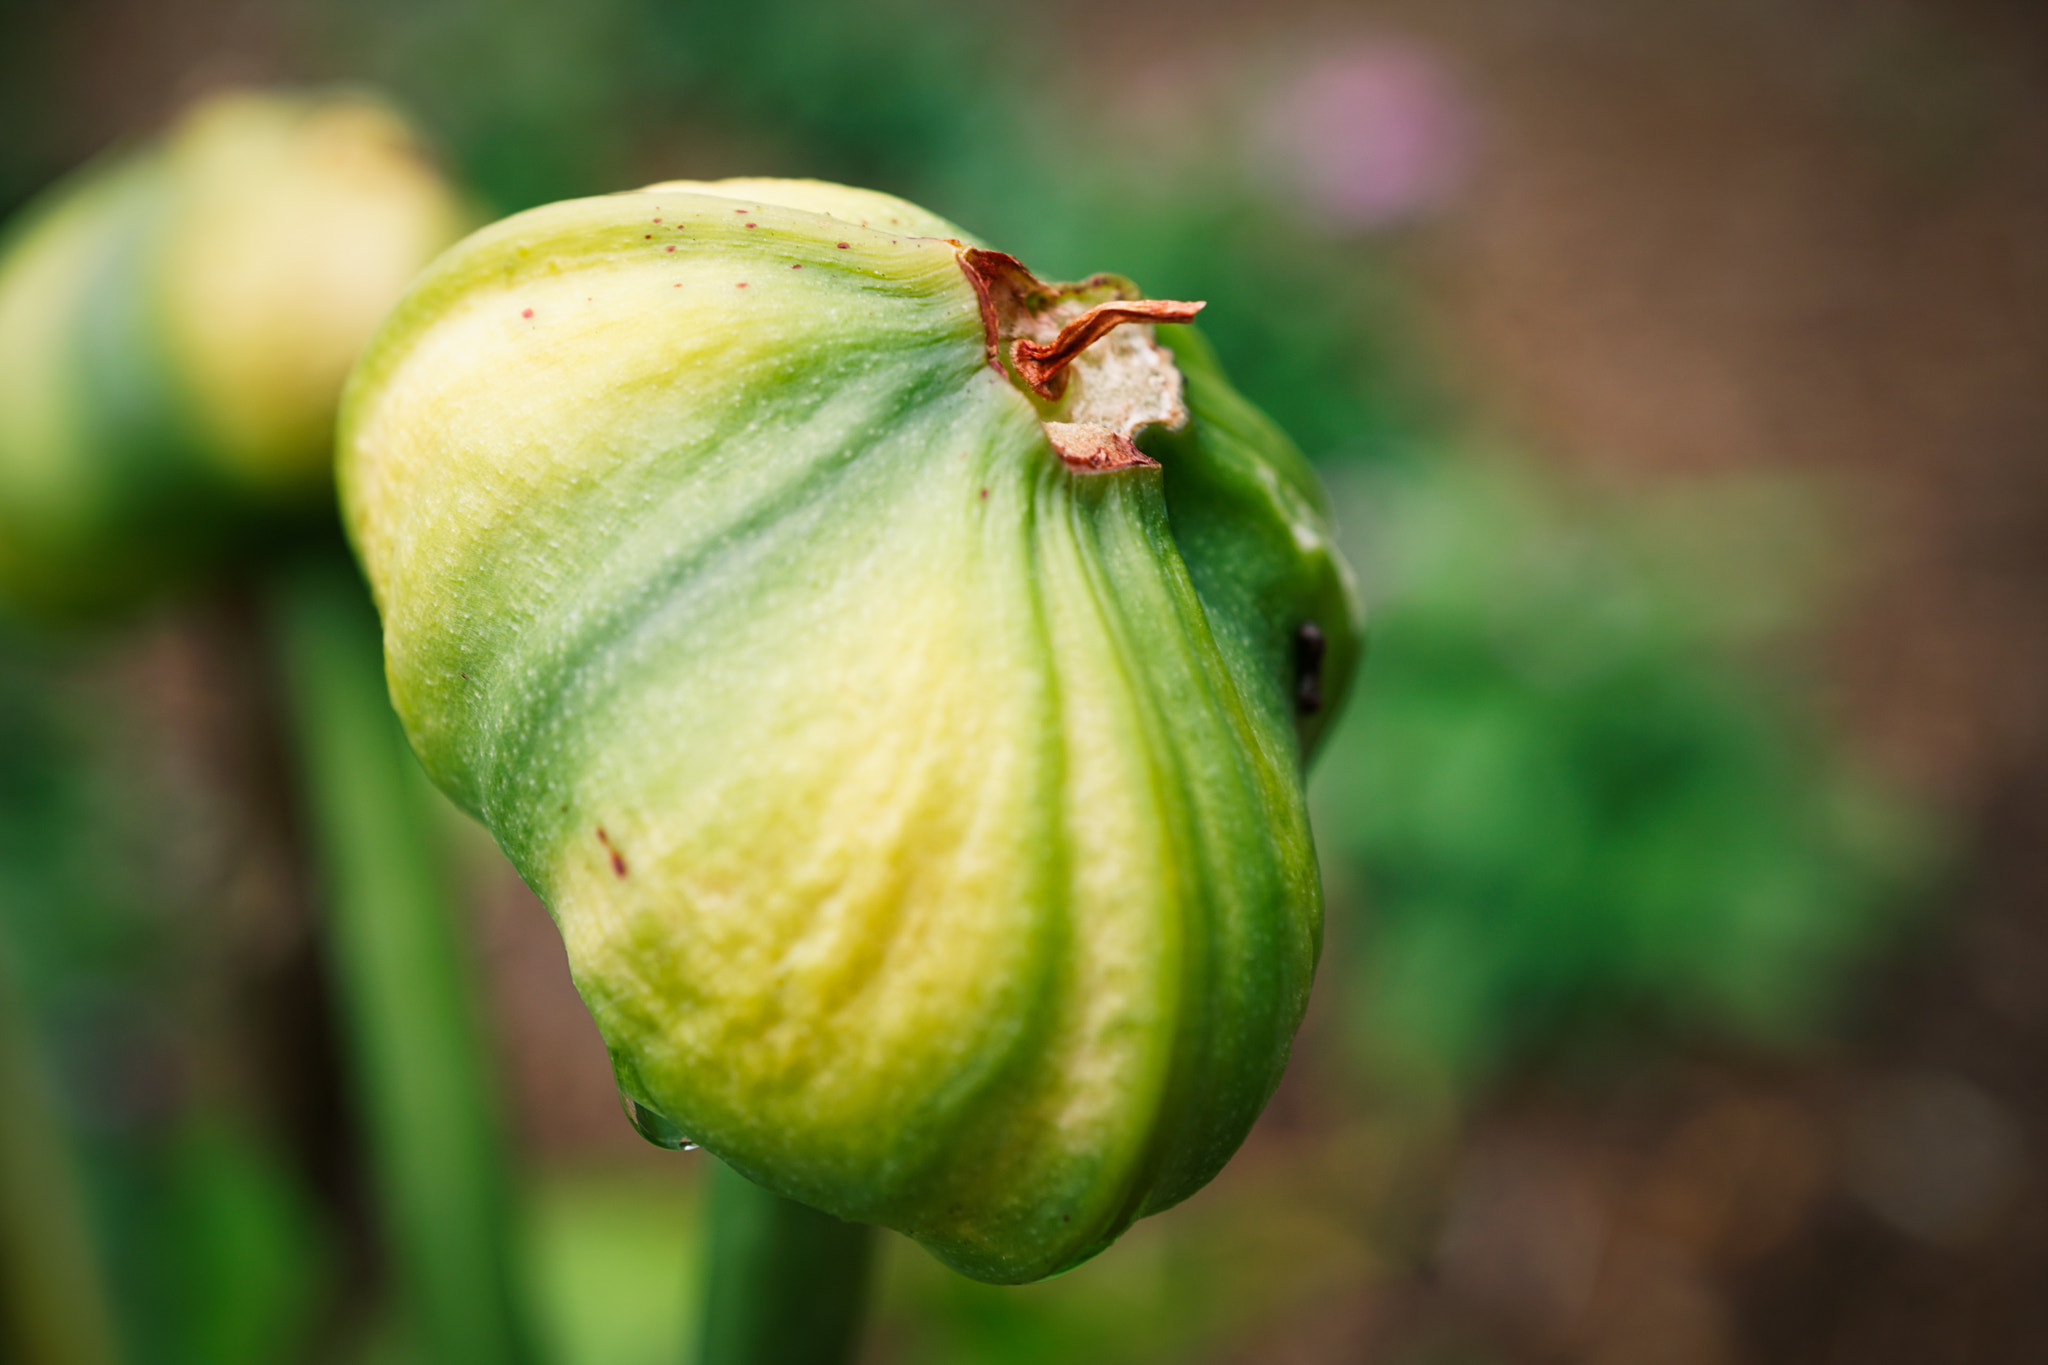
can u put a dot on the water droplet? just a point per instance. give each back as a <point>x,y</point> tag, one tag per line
<point>655,1126</point>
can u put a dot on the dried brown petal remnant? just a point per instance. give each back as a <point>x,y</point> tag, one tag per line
<point>1045,367</point>
<point>1094,381</point>
<point>1094,448</point>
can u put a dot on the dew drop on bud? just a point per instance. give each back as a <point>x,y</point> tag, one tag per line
<point>655,1126</point>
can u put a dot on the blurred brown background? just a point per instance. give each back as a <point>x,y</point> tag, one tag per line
<point>1652,251</point>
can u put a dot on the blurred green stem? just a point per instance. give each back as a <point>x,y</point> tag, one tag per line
<point>398,964</point>
<point>784,1284</point>
<point>53,1305</point>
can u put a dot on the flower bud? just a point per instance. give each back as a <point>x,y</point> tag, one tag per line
<point>175,326</point>
<point>894,672</point>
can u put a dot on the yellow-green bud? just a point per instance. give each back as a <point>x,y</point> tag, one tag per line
<point>894,673</point>
<point>176,323</point>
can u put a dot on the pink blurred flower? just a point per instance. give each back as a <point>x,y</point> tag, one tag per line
<point>1373,136</point>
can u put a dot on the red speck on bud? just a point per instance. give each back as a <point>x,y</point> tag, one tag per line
<point>618,859</point>
<point>844,245</point>
<point>527,314</point>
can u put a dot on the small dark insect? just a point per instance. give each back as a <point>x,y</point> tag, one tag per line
<point>1309,646</point>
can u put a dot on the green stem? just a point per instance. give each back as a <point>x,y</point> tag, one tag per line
<point>785,1284</point>
<point>399,968</point>
<point>53,1305</point>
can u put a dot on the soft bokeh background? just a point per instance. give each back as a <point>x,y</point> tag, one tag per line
<point>1681,376</point>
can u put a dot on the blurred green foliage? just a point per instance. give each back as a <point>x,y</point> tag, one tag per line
<point>1577,811</point>
<point>213,1248</point>
<point>610,1261</point>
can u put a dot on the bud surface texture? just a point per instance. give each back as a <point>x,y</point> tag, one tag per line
<point>893,672</point>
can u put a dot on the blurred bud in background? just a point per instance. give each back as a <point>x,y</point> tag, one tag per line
<point>177,319</point>
<point>176,322</point>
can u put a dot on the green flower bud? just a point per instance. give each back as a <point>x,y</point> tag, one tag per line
<point>175,327</point>
<point>893,672</point>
